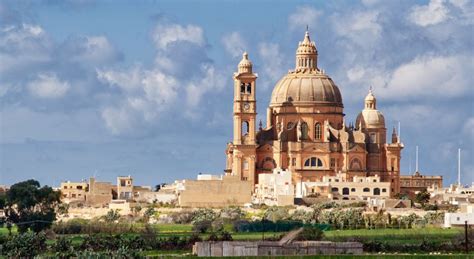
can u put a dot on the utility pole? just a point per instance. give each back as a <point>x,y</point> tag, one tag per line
<point>466,241</point>
<point>459,167</point>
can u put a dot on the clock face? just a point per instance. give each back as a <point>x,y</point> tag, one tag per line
<point>246,106</point>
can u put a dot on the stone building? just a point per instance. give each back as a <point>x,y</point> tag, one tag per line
<point>74,191</point>
<point>275,188</point>
<point>305,129</point>
<point>410,184</point>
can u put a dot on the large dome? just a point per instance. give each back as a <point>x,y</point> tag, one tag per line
<point>309,88</point>
<point>307,85</point>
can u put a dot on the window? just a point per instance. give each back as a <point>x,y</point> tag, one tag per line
<point>373,138</point>
<point>353,190</point>
<point>249,88</point>
<point>366,190</point>
<point>245,127</point>
<point>384,190</point>
<point>317,131</point>
<point>334,189</point>
<point>246,165</point>
<point>313,162</point>
<point>345,191</point>
<point>333,162</point>
<point>376,191</point>
<point>242,88</point>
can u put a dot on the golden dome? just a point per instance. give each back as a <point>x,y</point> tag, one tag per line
<point>307,85</point>
<point>310,88</point>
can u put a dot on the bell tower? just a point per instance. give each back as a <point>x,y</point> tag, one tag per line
<point>245,112</point>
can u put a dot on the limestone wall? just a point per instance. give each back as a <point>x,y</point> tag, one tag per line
<point>270,248</point>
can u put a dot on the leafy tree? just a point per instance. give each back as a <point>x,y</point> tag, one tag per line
<point>310,233</point>
<point>31,206</point>
<point>112,215</point>
<point>275,213</point>
<point>149,212</point>
<point>422,197</point>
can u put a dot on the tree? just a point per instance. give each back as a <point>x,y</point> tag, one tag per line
<point>31,206</point>
<point>422,197</point>
<point>112,215</point>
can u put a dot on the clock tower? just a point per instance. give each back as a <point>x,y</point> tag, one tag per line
<point>244,144</point>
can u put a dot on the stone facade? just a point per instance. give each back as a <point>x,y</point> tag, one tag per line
<point>73,192</point>
<point>410,184</point>
<point>271,248</point>
<point>275,189</point>
<point>229,190</point>
<point>305,130</point>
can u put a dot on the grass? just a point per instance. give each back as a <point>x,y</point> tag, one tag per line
<point>401,236</point>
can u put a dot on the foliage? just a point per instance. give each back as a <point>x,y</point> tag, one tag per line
<point>204,215</point>
<point>434,218</point>
<point>232,213</point>
<point>149,212</point>
<point>202,226</point>
<point>302,215</point>
<point>27,244</point>
<point>183,217</point>
<point>112,215</point>
<point>275,214</point>
<point>422,197</point>
<point>310,233</point>
<point>428,206</point>
<point>225,236</point>
<point>30,206</point>
<point>63,248</point>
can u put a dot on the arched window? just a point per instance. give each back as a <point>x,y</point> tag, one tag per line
<point>353,190</point>
<point>345,191</point>
<point>373,138</point>
<point>356,164</point>
<point>304,130</point>
<point>376,191</point>
<point>313,162</point>
<point>242,88</point>
<point>366,190</point>
<point>249,88</point>
<point>317,131</point>
<point>245,127</point>
<point>334,189</point>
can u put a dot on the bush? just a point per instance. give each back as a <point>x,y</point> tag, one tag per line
<point>225,236</point>
<point>310,233</point>
<point>26,244</point>
<point>204,215</point>
<point>183,217</point>
<point>63,248</point>
<point>202,226</point>
<point>275,214</point>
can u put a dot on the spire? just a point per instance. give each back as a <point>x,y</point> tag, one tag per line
<point>394,135</point>
<point>306,54</point>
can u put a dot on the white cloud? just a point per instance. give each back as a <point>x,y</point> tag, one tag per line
<point>48,85</point>
<point>128,80</point>
<point>303,16</point>
<point>165,34</point>
<point>433,13</point>
<point>430,76</point>
<point>234,44</point>
<point>94,50</point>
<point>468,128</point>
<point>360,27</point>
<point>211,81</point>
<point>273,62</point>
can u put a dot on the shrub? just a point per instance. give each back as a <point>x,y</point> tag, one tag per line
<point>26,244</point>
<point>225,236</point>
<point>202,226</point>
<point>310,233</point>
<point>204,215</point>
<point>275,214</point>
<point>63,248</point>
<point>213,237</point>
<point>232,213</point>
<point>183,217</point>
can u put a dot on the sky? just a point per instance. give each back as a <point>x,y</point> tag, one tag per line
<point>144,88</point>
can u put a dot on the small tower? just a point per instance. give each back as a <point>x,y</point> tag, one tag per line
<point>244,143</point>
<point>306,54</point>
<point>394,136</point>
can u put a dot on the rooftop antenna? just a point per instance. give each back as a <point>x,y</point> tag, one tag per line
<point>416,161</point>
<point>459,167</point>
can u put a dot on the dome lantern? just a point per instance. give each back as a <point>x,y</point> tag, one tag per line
<point>306,54</point>
<point>370,117</point>
<point>245,65</point>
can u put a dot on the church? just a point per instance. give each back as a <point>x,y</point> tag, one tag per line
<point>306,132</point>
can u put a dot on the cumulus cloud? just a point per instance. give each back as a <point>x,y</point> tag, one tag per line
<point>166,34</point>
<point>179,78</point>
<point>302,17</point>
<point>273,60</point>
<point>234,44</point>
<point>430,76</point>
<point>361,27</point>
<point>433,13</point>
<point>48,85</point>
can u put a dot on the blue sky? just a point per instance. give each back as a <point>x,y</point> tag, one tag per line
<point>111,88</point>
